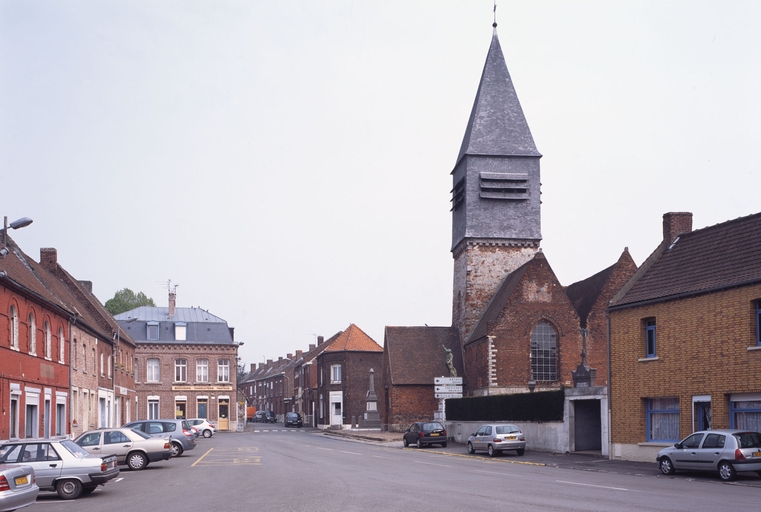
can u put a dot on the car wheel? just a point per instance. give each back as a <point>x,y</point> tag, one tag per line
<point>207,433</point>
<point>177,449</point>
<point>444,445</point>
<point>136,461</point>
<point>420,443</point>
<point>520,451</point>
<point>491,451</point>
<point>727,471</point>
<point>471,450</point>
<point>405,442</point>
<point>666,466</point>
<point>88,489</point>
<point>69,489</point>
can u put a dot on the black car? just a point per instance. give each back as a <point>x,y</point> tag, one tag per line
<point>422,433</point>
<point>293,419</point>
<point>264,417</point>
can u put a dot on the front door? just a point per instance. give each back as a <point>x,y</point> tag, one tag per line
<point>587,425</point>
<point>702,415</point>
<point>336,408</point>
<point>224,414</point>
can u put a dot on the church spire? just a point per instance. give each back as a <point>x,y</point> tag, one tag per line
<point>497,126</point>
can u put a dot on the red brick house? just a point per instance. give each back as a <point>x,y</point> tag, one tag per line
<point>343,370</point>
<point>685,337</point>
<point>35,330</point>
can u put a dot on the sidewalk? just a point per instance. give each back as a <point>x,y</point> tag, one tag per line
<point>584,461</point>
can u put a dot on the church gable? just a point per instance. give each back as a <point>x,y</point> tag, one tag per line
<point>530,302</point>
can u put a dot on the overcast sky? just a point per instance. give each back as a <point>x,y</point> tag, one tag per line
<point>286,164</point>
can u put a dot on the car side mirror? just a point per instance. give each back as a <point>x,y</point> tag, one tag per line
<point>678,446</point>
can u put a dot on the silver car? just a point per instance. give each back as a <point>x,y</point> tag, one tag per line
<point>183,438</point>
<point>60,465</point>
<point>18,487</point>
<point>723,451</point>
<point>496,438</point>
<point>131,447</point>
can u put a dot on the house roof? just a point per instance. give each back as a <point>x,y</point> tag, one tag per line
<point>497,125</point>
<point>353,339</point>
<point>721,256</point>
<point>585,294</point>
<point>31,277</point>
<point>416,355</point>
<point>201,326</point>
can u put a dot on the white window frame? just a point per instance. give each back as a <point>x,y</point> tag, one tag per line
<point>153,370</point>
<point>180,331</point>
<point>48,342</point>
<point>335,374</point>
<point>14,327</point>
<point>223,370</point>
<point>180,370</point>
<point>32,335</point>
<point>61,346</point>
<point>202,370</point>
<point>155,403</point>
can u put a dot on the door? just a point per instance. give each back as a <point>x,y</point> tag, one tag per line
<point>179,410</point>
<point>45,461</point>
<point>710,453</point>
<point>686,457</point>
<point>702,415</point>
<point>336,408</point>
<point>587,424</point>
<point>202,408</point>
<point>224,414</point>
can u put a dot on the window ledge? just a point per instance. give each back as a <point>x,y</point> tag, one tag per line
<point>757,347</point>
<point>646,359</point>
<point>664,444</point>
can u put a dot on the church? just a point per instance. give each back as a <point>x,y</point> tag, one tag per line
<point>515,327</point>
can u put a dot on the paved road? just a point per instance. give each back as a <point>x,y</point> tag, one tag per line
<point>296,469</point>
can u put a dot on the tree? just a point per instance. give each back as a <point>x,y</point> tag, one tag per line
<point>242,373</point>
<point>125,299</point>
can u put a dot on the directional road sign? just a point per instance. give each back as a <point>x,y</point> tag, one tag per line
<point>448,389</point>
<point>445,381</point>
<point>448,395</point>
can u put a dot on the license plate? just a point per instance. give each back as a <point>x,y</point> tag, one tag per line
<point>509,438</point>
<point>22,480</point>
<point>434,435</point>
<point>757,454</point>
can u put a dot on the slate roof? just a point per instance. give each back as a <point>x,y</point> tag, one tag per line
<point>722,256</point>
<point>353,339</point>
<point>416,355</point>
<point>201,326</point>
<point>497,125</point>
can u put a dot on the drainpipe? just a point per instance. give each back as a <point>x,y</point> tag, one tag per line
<point>610,440</point>
<point>72,321</point>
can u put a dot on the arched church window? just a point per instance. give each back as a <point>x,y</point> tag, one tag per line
<point>544,352</point>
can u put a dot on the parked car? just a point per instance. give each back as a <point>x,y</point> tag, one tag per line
<point>293,419</point>
<point>264,417</point>
<point>18,487</point>
<point>724,451</point>
<point>61,465</point>
<point>134,448</point>
<point>183,437</point>
<point>204,427</point>
<point>422,433</point>
<point>497,438</point>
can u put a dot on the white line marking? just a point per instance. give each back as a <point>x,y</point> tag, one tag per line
<point>497,474</point>
<point>352,453</point>
<point>119,479</point>
<point>326,449</point>
<point>590,485</point>
<point>431,464</point>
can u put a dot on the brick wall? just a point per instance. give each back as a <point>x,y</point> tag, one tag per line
<point>702,348</point>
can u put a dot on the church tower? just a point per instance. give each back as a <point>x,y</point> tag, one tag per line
<point>496,224</point>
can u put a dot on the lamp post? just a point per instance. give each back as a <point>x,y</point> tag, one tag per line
<point>16,224</point>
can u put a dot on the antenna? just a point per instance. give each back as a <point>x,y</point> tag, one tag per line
<point>495,15</point>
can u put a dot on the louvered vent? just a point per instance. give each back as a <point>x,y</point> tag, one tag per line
<point>507,186</point>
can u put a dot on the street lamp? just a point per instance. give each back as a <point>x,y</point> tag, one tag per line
<point>16,224</point>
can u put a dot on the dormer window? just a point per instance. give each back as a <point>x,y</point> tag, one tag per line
<point>180,331</point>
<point>153,331</point>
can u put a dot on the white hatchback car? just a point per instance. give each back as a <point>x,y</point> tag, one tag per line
<point>496,438</point>
<point>203,426</point>
<point>723,451</point>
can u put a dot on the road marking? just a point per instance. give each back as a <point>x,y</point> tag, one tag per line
<point>497,474</point>
<point>379,457</point>
<point>201,457</point>
<point>431,464</point>
<point>351,453</point>
<point>119,479</point>
<point>590,485</point>
<point>327,449</point>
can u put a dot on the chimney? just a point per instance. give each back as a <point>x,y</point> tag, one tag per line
<point>289,356</point>
<point>87,285</point>
<point>676,224</point>
<point>311,346</point>
<point>253,367</point>
<point>320,339</point>
<point>299,354</point>
<point>48,258</point>
<point>172,301</point>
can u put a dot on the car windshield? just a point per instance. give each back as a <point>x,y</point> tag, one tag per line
<point>432,426</point>
<point>748,439</point>
<point>74,448</point>
<point>507,429</point>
